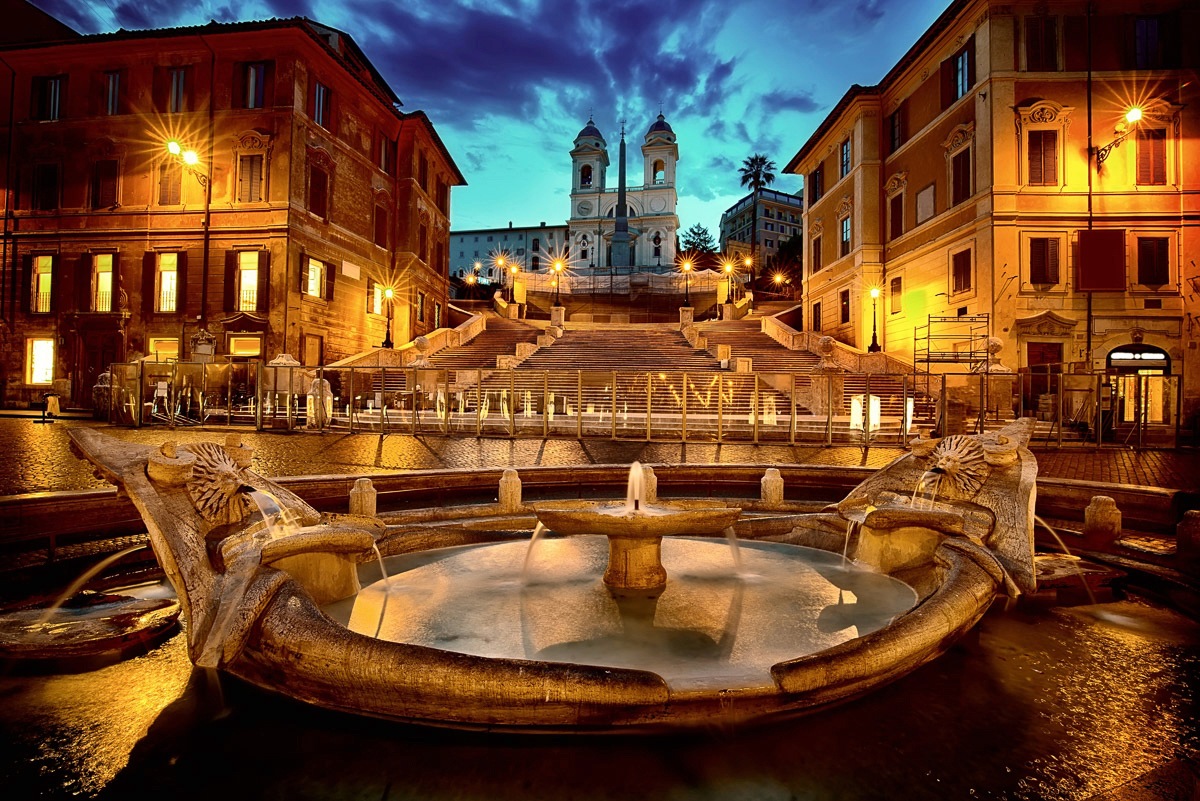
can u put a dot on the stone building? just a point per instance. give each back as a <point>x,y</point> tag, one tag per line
<point>1031,166</point>
<point>476,252</point>
<point>778,219</point>
<point>252,187</point>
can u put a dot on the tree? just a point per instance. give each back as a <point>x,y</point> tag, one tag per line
<point>758,172</point>
<point>697,239</point>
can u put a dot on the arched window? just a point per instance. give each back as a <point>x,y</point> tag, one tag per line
<point>660,172</point>
<point>585,175</point>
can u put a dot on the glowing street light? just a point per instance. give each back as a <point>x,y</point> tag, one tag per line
<point>749,265</point>
<point>1124,128</point>
<point>388,294</point>
<point>874,346</point>
<point>687,286</point>
<point>727,268</point>
<point>558,268</point>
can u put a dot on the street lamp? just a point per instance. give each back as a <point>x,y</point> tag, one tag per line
<point>500,262</point>
<point>189,159</point>
<point>1124,128</point>
<point>874,346</point>
<point>558,268</point>
<point>657,248</point>
<point>727,266</point>
<point>687,286</point>
<point>388,294</point>
<point>512,287</point>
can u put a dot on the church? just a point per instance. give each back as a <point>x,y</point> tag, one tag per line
<point>611,230</point>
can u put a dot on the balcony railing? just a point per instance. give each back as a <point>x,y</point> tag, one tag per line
<point>41,302</point>
<point>248,300</point>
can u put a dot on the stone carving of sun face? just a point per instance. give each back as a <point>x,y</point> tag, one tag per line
<point>959,460</point>
<point>216,484</point>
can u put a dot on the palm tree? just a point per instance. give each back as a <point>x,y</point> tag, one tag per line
<point>758,172</point>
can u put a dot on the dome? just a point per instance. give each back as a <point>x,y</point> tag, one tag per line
<point>590,131</point>
<point>660,124</point>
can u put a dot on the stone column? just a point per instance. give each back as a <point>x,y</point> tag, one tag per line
<point>363,497</point>
<point>510,492</point>
<point>772,488</point>
<point>686,315</point>
<point>558,315</point>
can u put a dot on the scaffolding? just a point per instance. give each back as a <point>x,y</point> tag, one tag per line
<point>950,340</point>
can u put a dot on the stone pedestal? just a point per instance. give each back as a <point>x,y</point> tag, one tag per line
<point>363,497</point>
<point>1101,523</point>
<point>827,393</point>
<point>686,315</point>
<point>558,315</point>
<point>510,492</point>
<point>649,485</point>
<point>635,564</point>
<point>772,488</point>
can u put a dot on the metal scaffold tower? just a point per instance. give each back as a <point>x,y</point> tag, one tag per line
<point>950,340</point>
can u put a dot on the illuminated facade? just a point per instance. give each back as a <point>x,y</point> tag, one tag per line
<point>526,248</point>
<point>993,171</point>
<point>778,219</point>
<point>292,192</point>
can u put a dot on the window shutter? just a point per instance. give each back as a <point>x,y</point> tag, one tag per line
<point>264,279</point>
<point>1050,156</point>
<point>268,87</point>
<point>149,267</point>
<point>116,283</point>
<point>241,73</point>
<point>303,271</point>
<point>947,77</point>
<point>181,282</point>
<point>1052,260</point>
<point>1050,44</point>
<point>1033,44</point>
<point>27,295</point>
<point>1037,261</point>
<point>330,280</point>
<point>1036,173</point>
<point>971,60</point>
<point>159,90</point>
<point>231,263</point>
<point>83,283</point>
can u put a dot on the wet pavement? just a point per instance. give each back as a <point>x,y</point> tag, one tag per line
<point>40,458</point>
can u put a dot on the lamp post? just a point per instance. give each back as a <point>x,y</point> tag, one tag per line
<point>657,248</point>
<point>501,262</point>
<point>1124,128</point>
<point>874,346</point>
<point>388,294</point>
<point>687,285</point>
<point>727,267</point>
<point>189,159</point>
<point>512,287</point>
<point>748,263</point>
<point>558,268</point>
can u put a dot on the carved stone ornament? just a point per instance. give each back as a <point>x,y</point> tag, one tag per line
<point>844,207</point>
<point>816,226</point>
<point>898,182</point>
<point>319,157</point>
<point>960,461</point>
<point>960,137</point>
<point>216,484</point>
<point>1045,323</point>
<point>1043,114</point>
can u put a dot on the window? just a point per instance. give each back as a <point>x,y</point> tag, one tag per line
<point>845,240</point>
<point>1041,44</point>
<point>659,172</point>
<point>104,184</point>
<point>383,153</point>
<point>42,285</point>
<point>926,205</point>
<point>1148,40</point>
<point>322,105</point>
<point>844,159</point>
<point>844,306</point>
<point>45,187</point>
<point>442,196</point>
<point>895,215</point>
<point>437,315</point>
<point>816,254</point>
<point>39,361</point>
<point>102,282</point>
<point>1151,156</point>
<point>381,227</point>
<point>250,178</point>
<point>585,175</point>
<point>816,184</point>
<point>958,73</point>
<point>166,290</point>
<point>48,97</point>
<point>170,183</point>
<point>245,346</point>
<point>816,317</point>
<point>420,307</point>
<point>896,129</point>
<point>1043,260</point>
<point>423,243</point>
<point>423,173</point>
<point>1153,260</point>
<point>163,348</point>
<point>318,192</point>
<point>255,86</point>
<point>896,295</point>
<point>247,273</point>
<point>960,271</point>
<point>375,297</point>
<point>1043,158</point>
<point>114,99</point>
<point>177,85</point>
<point>960,176</point>
<point>317,278</point>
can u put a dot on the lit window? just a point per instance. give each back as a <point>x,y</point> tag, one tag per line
<point>112,93</point>
<point>167,294</point>
<point>374,297</point>
<point>322,97</point>
<point>844,159</point>
<point>247,281</point>
<point>48,97</point>
<point>420,307</point>
<point>177,90</point>
<point>245,346</point>
<point>43,286</point>
<point>163,348</point>
<point>844,306</point>
<point>102,282</point>
<point>314,279</point>
<point>437,315</point>
<point>845,244</point>
<point>39,361</point>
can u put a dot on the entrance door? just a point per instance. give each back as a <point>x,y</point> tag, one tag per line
<point>99,351</point>
<point>1044,361</point>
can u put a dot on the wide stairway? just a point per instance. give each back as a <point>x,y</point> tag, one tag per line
<point>499,339</point>
<point>746,339</point>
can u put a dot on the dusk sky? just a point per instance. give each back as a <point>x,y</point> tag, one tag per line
<point>509,83</point>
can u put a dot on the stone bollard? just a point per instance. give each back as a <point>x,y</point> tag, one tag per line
<point>1187,542</point>
<point>1101,523</point>
<point>772,488</point>
<point>362,498</point>
<point>242,455</point>
<point>650,485</point>
<point>510,492</point>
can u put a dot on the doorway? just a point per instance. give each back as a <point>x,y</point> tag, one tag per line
<point>1044,363</point>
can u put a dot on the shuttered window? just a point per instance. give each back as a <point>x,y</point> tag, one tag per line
<point>1043,260</point>
<point>895,215</point>
<point>1153,260</point>
<point>318,192</point>
<point>1043,158</point>
<point>960,168</point>
<point>1151,156</point>
<point>250,178</point>
<point>1041,44</point>
<point>960,271</point>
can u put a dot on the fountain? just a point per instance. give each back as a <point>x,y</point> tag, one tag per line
<point>465,636</point>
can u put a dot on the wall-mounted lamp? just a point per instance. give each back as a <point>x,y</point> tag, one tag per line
<point>1123,128</point>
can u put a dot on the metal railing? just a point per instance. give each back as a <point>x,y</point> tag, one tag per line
<point>761,407</point>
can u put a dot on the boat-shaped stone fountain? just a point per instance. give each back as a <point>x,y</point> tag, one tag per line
<point>624,617</point>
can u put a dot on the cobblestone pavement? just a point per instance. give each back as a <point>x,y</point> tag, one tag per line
<point>38,456</point>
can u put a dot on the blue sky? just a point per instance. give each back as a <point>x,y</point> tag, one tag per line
<point>509,83</point>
